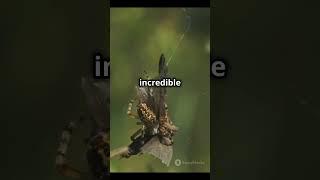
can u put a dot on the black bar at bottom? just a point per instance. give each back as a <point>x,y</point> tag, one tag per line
<point>159,3</point>
<point>162,176</point>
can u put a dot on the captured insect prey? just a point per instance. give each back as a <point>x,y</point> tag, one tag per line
<point>155,135</point>
<point>97,154</point>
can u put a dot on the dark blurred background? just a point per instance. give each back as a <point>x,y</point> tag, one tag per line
<point>47,46</point>
<point>265,114</point>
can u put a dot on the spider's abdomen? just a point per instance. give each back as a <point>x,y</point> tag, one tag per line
<point>166,129</point>
<point>146,115</point>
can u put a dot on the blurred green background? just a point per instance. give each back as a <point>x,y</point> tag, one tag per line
<point>138,37</point>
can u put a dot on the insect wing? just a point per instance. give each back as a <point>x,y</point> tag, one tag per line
<point>158,150</point>
<point>160,92</point>
<point>163,67</point>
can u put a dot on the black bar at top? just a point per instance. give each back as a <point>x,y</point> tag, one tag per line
<point>159,3</point>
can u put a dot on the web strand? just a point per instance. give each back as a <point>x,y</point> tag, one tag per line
<point>186,29</point>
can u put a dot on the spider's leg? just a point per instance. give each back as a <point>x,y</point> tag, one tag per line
<point>135,135</point>
<point>143,130</point>
<point>130,113</point>
<point>61,161</point>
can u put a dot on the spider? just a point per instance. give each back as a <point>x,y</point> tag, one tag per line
<point>153,116</point>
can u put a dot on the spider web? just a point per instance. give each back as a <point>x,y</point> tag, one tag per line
<point>186,29</point>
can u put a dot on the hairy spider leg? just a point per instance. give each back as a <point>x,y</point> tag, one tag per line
<point>133,115</point>
<point>61,161</point>
<point>136,134</point>
<point>130,113</point>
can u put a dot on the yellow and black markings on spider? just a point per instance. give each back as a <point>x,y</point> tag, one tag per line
<point>146,116</point>
<point>166,128</point>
